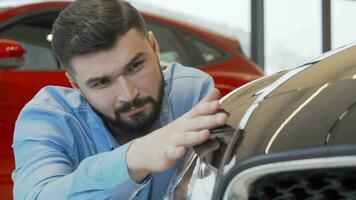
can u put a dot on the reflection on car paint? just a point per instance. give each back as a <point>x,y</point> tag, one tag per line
<point>295,112</point>
<point>267,91</point>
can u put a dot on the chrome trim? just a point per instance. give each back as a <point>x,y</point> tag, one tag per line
<point>183,169</point>
<point>203,186</point>
<point>200,185</point>
<point>222,99</point>
<point>332,52</point>
<point>267,91</point>
<point>241,182</point>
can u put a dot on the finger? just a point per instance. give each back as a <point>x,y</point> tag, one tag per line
<point>208,105</point>
<point>189,139</point>
<point>174,153</point>
<point>206,122</point>
<point>203,108</point>
<point>213,94</point>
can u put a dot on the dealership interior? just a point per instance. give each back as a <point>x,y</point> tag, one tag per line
<point>84,118</point>
<point>277,34</point>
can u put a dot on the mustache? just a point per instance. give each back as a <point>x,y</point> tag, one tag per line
<point>138,102</point>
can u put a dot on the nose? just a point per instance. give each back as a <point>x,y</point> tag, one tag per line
<point>127,90</point>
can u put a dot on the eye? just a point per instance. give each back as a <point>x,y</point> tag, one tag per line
<point>101,83</point>
<point>135,66</point>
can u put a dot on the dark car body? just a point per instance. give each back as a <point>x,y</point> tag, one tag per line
<point>290,135</point>
<point>30,26</point>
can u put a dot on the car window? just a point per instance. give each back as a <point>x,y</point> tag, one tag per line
<point>34,33</point>
<point>181,46</point>
<point>205,52</point>
<point>208,53</point>
<point>171,48</point>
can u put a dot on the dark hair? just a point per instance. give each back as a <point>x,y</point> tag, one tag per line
<point>89,26</point>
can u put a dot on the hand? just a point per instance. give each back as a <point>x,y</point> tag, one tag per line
<point>159,150</point>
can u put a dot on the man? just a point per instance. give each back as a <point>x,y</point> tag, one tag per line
<point>120,133</point>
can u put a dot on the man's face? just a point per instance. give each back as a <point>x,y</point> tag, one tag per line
<point>125,83</point>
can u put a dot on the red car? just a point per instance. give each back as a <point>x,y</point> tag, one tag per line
<point>27,63</point>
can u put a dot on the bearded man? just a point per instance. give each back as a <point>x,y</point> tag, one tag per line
<point>122,129</point>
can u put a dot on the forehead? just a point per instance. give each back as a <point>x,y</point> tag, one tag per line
<point>106,62</point>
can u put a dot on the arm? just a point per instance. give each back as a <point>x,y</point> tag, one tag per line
<point>46,168</point>
<point>160,150</point>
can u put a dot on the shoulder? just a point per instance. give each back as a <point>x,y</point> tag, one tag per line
<point>48,119</point>
<point>51,112</point>
<point>58,98</point>
<point>185,86</point>
<point>176,71</point>
<point>178,77</point>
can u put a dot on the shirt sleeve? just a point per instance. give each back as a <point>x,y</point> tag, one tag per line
<point>208,84</point>
<point>46,168</point>
<point>187,87</point>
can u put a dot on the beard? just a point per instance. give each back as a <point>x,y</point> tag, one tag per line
<point>141,123</point>
<point>138,124</point>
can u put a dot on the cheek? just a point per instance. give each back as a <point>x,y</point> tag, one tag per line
<point>149,83</point>
<point>103,101</point>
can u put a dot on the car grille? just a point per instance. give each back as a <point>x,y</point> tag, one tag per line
<point>323,184</point>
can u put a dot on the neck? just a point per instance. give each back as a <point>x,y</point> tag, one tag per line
<point>120,136</point>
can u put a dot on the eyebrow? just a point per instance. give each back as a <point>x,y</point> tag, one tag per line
<point>90,81</point>
<point>134,59</point>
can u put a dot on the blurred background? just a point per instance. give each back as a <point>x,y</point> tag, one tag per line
<point>292,30</point>
<point>219,37</point>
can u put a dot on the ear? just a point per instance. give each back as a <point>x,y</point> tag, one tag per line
<point>153,42</point>
<point>73,82</point>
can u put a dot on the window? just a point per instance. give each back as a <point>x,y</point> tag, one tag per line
<point>293,33</point>
<point>202,52</point>
<point>184,47</point>
<point>33,33</point>
<point>229,17</point>
<point>342,17</point>
<point>208,53</point>
<point>171,49</point>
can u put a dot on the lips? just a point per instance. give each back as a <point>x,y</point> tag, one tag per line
<point>135,110</point>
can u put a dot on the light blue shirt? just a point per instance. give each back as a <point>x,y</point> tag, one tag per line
<point>64,151</point>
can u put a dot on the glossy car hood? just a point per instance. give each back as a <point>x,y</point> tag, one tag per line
<point>310,106</point>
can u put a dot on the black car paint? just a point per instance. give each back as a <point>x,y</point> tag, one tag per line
<point>313,114</point>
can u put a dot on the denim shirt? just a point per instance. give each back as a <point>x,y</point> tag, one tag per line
<point>64,151</point>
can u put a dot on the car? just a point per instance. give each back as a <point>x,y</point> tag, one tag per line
<point>28,64</point>
<point>290,135</point>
